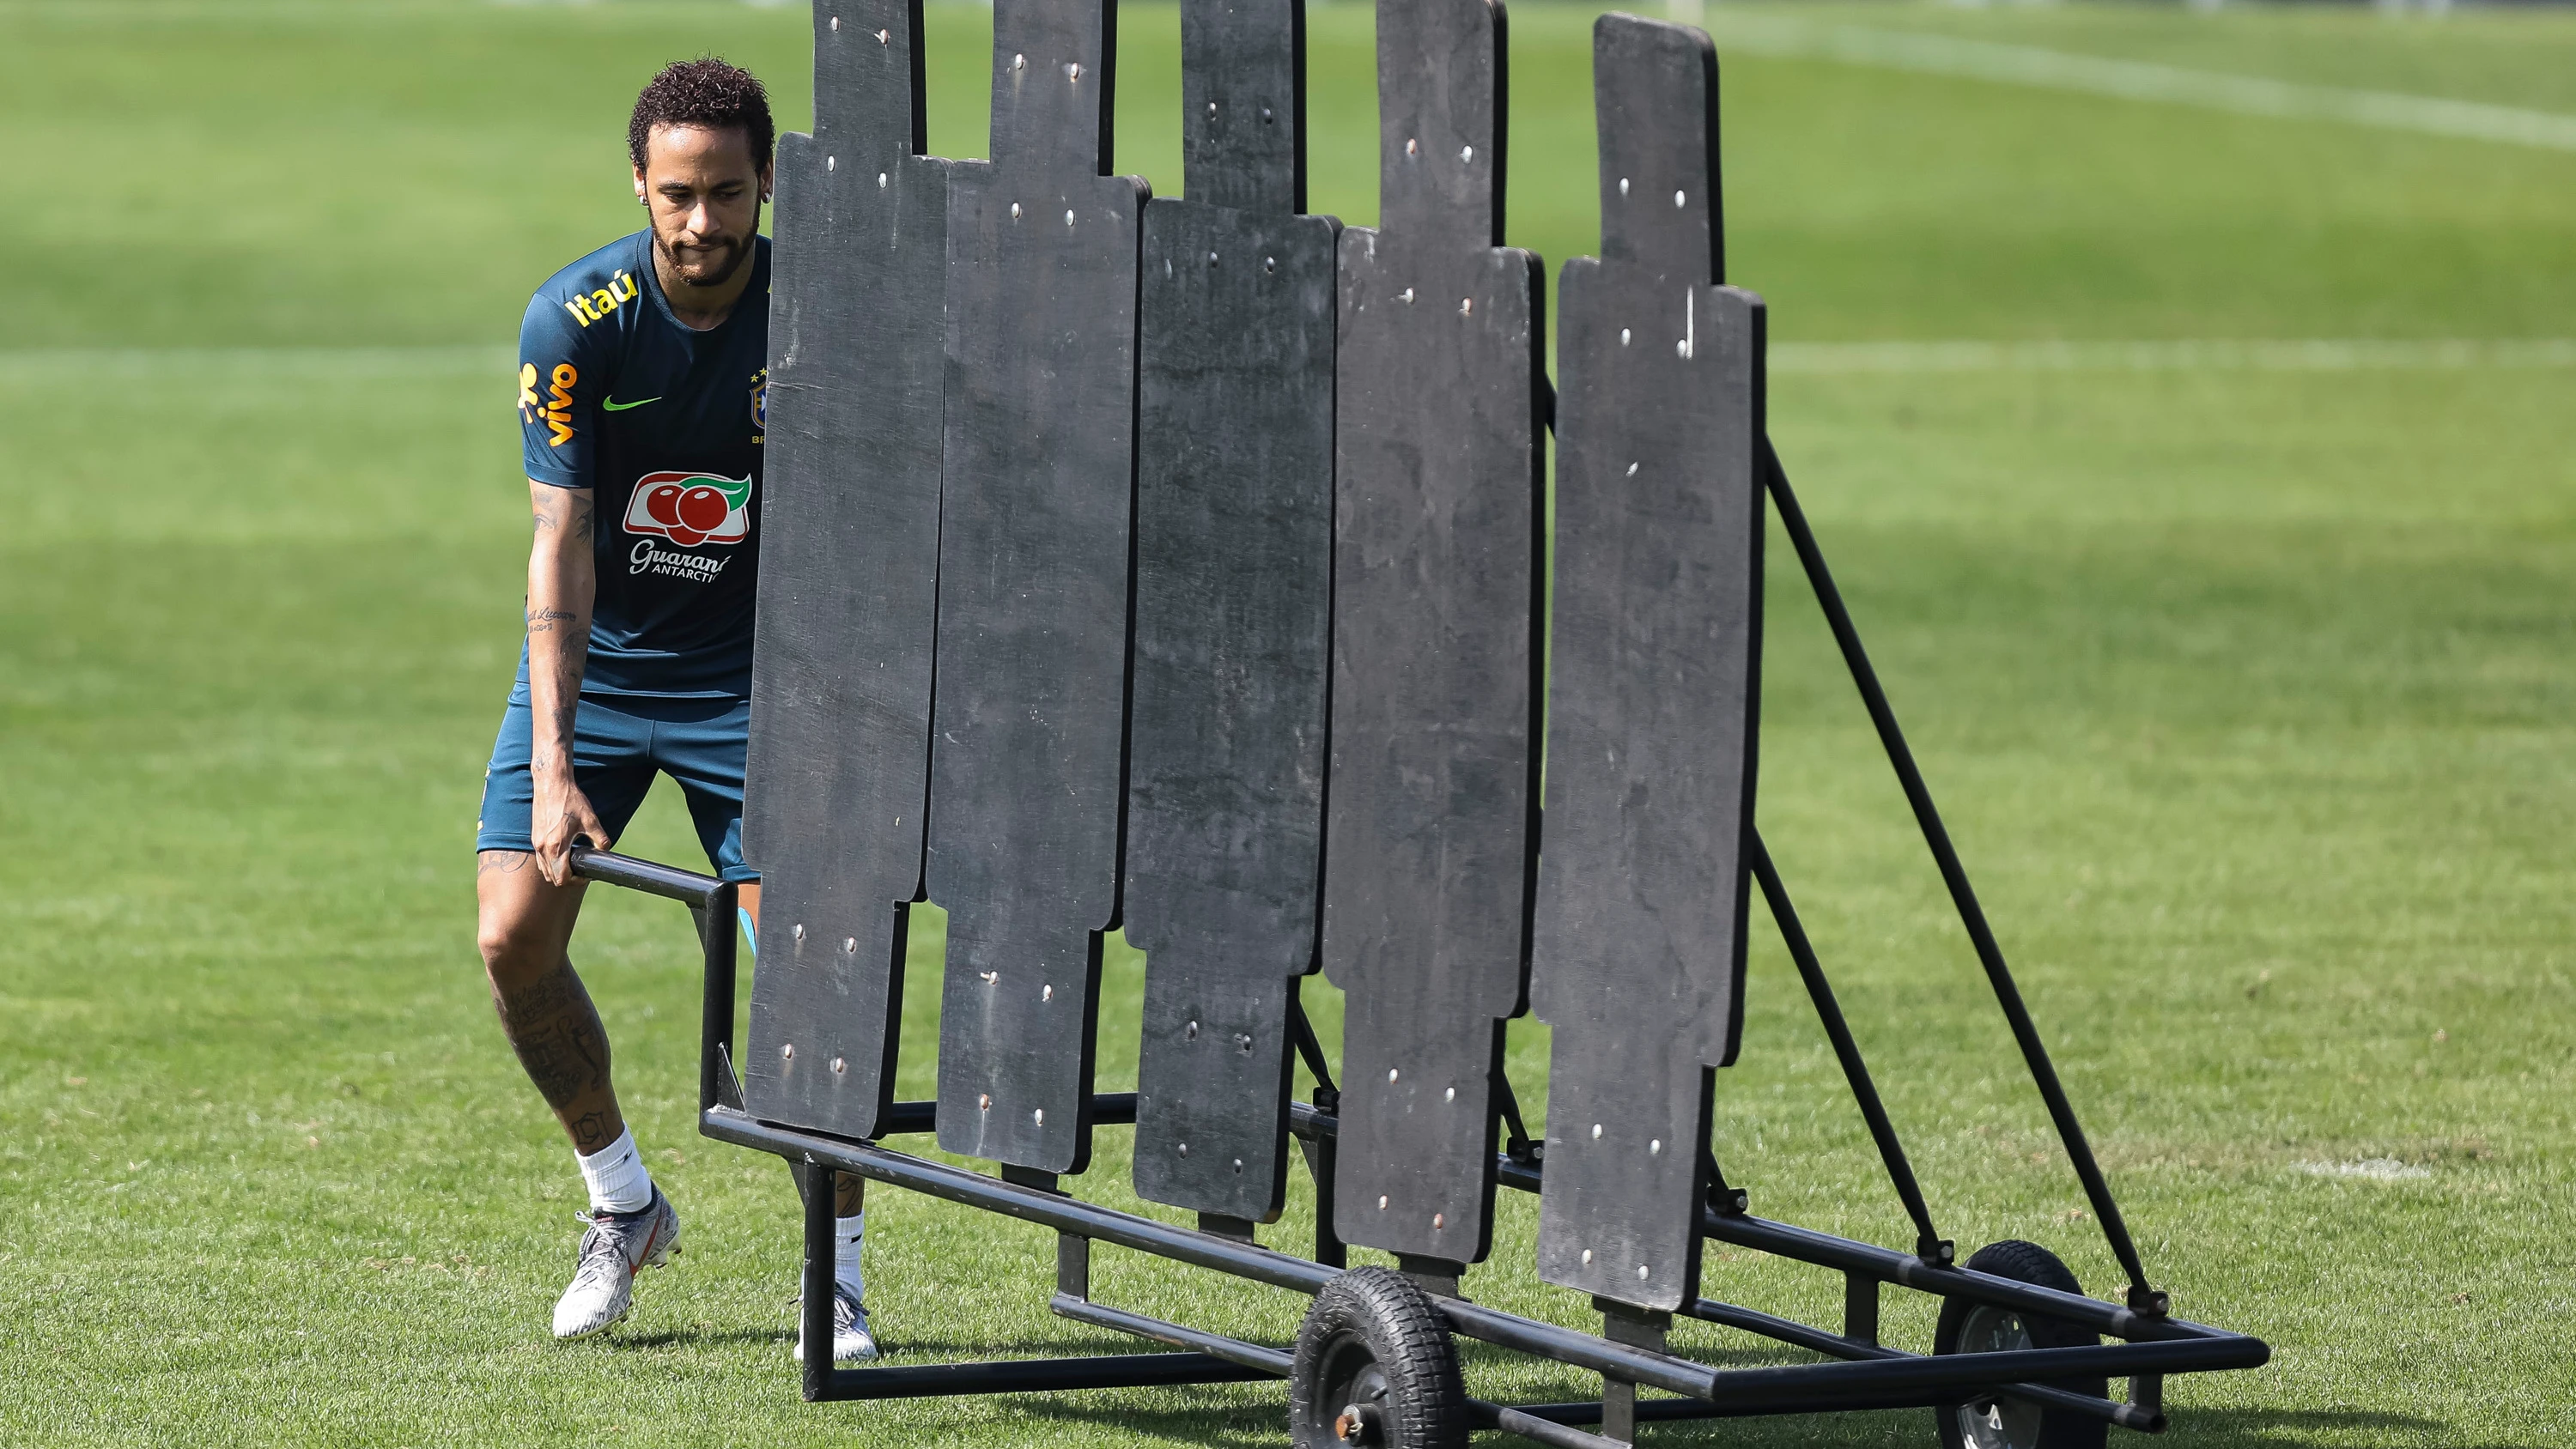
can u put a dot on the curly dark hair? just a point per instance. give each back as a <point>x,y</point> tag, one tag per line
<point>703,92</point>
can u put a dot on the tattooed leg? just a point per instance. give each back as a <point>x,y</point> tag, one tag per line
<point>544,1010</point>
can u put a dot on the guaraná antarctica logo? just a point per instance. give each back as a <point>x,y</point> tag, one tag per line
<point>688,509</point>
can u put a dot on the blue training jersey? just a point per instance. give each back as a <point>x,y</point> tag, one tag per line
<point>664,424</point>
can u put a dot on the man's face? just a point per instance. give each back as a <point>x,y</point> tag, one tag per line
<point>705,192</point>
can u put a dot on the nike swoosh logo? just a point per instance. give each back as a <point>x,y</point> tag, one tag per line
<point>612,405</point>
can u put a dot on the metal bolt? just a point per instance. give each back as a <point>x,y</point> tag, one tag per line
<point>1192,1032</point>
<point>831,163</point>
<point>1015,211</point>
<point>881,185</point>
<point>1411,146</point>
<point>1039,1116</point>
<point>800,930</point>
<point>1238,1164</point>
<point>1655,1148</point>
<point>1677,198</point>
<point>849,945</point>
<point>984,1102</point>
<point>1185,1149</point>
<point>1623,186</point>
<point>1439,1221</point>
<point>1211,259</point>
<point>1019,62</point>
<point>1068,216</point>
<point>1641,1272</point>
<point>1269,264</point>
<point>1046,993</point>
<point>1072,72</point>
<point>787,1051</point>
<point>1390,1074</point>
<point>1265,115</point>
<point>1451,1096</point>
<point>1211,109</point>
<point>1243,1040</point>
<point>1408,296</point>
<point>1466,153</point>
<point>1681,348</point>
<point>1596,1131</point>
<point>1381,1202</point>
<point>1623,336</point>
<point>836,25</point>
<point>883,37</point>
<point>1587,1255</point>
<point>990,976</point>
<point>839,1066</point>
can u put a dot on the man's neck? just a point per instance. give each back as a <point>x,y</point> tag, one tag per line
<point>703,309</point>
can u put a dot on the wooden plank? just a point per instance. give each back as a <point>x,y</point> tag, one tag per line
<point>1029,742</point>
<point>840,714</point>
<point>1431,827</point>
<point>1655,687</point>
<point>1234,550</point>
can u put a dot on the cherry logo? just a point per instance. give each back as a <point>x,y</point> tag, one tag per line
<point>690,508</point>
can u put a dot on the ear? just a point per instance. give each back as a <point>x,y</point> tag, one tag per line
<point>639,183</point>
<point>765,175</point>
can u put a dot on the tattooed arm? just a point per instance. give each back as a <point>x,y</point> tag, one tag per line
<point>563,580</point>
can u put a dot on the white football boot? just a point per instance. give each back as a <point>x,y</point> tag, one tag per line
<point>612,1252</point>
<point>851,1341</point>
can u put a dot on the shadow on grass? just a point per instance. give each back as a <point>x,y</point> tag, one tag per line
<point>1236,1423</point>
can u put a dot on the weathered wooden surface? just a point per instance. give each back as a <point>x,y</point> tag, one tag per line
<point>833,801</point>
<point>1029,738</point>
<point>1655,685</point>
<point>1234,549</point>
<point>1432,823</point>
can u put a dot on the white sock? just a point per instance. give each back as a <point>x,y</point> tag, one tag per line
<point>845,1266</point>
<point>616,1176</point>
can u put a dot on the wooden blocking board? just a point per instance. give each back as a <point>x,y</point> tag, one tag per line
<point>840,711</point>
<point>1234,563</point>
<point>1654,688</point>
<point>1431,826</point>
<point>1029,735</point>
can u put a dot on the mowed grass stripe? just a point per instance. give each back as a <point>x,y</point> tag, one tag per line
<point>2136,80</point>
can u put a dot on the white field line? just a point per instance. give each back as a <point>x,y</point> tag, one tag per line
<point>2202,354</point>
<point>228,364</point>
<point>224,364</point>
<point>2139,80</point>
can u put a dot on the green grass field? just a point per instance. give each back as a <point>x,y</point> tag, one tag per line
<point>2247,687</point>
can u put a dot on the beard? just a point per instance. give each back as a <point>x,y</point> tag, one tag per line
<point>709,265</point>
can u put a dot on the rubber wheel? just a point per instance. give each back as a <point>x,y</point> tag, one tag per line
<point>1970,1327</point>
<point>1375,1366</point>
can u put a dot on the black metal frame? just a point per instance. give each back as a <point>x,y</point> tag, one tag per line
<point>1866,1375</point>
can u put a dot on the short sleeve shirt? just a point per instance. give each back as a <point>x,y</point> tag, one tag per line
<point>664,424</point>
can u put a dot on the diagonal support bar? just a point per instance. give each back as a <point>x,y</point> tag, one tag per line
<point>1927,1239</point>
<point>2061,1112</point>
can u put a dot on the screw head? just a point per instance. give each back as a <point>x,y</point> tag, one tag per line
<point>1677,199</point>
<point>800,931</point>
<point>1439,1221</point>
<point>1587,1255</point>
<point>839,1066</point>
<point>984,1102</point>
<point>1184,1149</point>
<point>1381,1202</point>
<point>787,1051</point>
<point>1596,1131</point>
<point>1039,1116</point>
<point>1390,1074</point>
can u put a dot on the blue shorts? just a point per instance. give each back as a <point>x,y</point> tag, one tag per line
<point>616,749</point>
